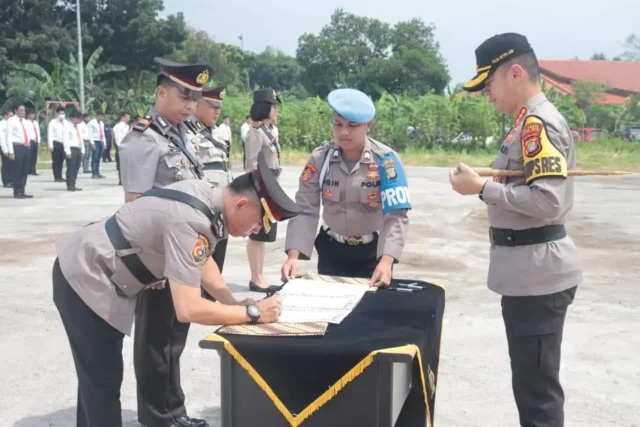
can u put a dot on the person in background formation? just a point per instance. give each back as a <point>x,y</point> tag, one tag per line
<point>534,264</point>
<point>108,135</point>
<point>98,142</point>
<point>119,132</point>
<point>95,292</point>
<point>18,150</point>
<point>86,137</point>
<point>362,187</point>
<point>55,137</point>
<point>6,161</point>
<point>74,150</point>
<point>245,128</point>
<point>259,139</point>
<point>33,128</point>
<point>224,130</point>
<point>212,150</point>
<point>155,153</point>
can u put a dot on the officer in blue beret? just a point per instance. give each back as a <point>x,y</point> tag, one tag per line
<point>363,188</point>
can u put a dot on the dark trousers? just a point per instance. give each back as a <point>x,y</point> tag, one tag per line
<point>73,166</point>
<point>118,165</point>
<point>534,326</point>
<point>96,156</point>
<point>57,157</point>
<point>106,154</point>
<point>34,147</point>
<point>158,344</point>
<point>20,168</point>
<point>86,159</point>
<point>6,168</point>
<point>340,259</point>
<point>97,355</point>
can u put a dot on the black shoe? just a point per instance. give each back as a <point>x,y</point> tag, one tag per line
<point>59,180</point>
<point>185,421</point>
<point>86,171</point>
<point>27,196</point>
<point>269,289</point>
<point>101,176</point>
<point>74,189</point>
<point>19,196</point>
<point>8,185</point>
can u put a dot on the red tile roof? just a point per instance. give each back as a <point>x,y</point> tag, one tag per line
<point>622,77</point>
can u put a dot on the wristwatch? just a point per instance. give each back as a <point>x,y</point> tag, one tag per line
<point>254,312</point>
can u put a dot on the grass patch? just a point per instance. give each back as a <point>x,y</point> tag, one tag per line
<point>598,155</point>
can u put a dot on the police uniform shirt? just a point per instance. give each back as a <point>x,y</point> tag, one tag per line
<point>351,200</point>
<point>172,239</point>
<point>207,152</point>
<point>55,131</point>
<point>16,132</point>
<point>73,139</point>
<point>148,159</point>
<point>540,142</point>
<point>257,141</point>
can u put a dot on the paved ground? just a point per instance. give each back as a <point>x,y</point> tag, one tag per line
<point>447,243</point>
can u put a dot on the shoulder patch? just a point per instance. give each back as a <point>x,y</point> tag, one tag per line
<point>541,157</point>
<point>200,249</point>
<point>142,124</point>
<point>308,172</point>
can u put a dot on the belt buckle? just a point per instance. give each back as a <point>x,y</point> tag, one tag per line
<point>354,240</point>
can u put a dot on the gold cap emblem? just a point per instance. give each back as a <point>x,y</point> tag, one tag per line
<point>203,77</point>
<point>223,93</point>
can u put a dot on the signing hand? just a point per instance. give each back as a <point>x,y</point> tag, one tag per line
<point>289,269</point>
<point>465,180</point>
<point>269,309</point>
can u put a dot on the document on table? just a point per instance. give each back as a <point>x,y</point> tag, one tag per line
<point>318,301</point>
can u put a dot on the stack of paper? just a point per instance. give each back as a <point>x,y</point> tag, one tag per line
<point>318,301</point>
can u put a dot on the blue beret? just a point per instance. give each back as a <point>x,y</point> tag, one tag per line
<point>352,104</point>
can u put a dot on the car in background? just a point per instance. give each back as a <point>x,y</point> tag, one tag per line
<point>632,133</point>
<point>586,134</point>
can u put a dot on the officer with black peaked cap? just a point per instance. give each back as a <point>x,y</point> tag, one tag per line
<point>165,236</point>
<point>155,153</point>
<point>260,139</point>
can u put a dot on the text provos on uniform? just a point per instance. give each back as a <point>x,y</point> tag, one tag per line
<point>395,196</point>
<point>370,184</point>
<point>543,166</point>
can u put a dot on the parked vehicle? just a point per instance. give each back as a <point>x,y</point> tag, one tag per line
<point>586,134</point>
<point>632,133</point>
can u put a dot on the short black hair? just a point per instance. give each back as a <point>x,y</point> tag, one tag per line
<point>75,115</point>
<point>260,111</point>
<point>99,113</point>
<point>124,114</point>
<point>243,184</point>
<point>59,108</point>
<point>529,62</point>
<point>17,107</point>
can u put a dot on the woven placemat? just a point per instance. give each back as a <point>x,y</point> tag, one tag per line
<point>277,329</point>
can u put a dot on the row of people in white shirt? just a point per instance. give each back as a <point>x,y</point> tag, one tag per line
<point>13,129</point>
<point>62,130</point>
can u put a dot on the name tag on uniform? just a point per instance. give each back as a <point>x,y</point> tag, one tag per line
<point>394,191</point>
<point>174,150</point>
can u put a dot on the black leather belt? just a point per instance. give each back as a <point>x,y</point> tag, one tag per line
<point>131,261</point>
<point>530,236</point>
<point>218,166</point>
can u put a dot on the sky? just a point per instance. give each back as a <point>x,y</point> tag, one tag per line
<point>557,29</point>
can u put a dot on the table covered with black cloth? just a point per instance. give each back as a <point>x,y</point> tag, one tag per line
<point>300,369</point>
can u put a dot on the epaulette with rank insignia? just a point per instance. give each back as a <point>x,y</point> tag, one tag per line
<point>142,124</point>
<point>257,125</point>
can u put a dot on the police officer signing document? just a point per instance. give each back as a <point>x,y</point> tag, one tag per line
<point>155,153</point>
<point>362,186</point>
<point>534,263</point>
<point>167,235</point>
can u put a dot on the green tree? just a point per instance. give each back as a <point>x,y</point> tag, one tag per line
<point>632,44</point>
<point>274,69</point>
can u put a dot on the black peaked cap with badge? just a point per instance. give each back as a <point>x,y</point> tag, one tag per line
<point>276,204</point>
<point>189,78</point>
<point>215,95</point>
<point>266,95</point>
<point>492,53</point>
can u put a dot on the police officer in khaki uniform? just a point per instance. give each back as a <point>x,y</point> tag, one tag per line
<point>534,264</point>
<point>259,139</point>
<point>362,187</point>
<point>165,236</point>
<point>211,150</point>
<point>155,153</point>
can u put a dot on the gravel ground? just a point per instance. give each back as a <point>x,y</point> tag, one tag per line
<point>447,243</point>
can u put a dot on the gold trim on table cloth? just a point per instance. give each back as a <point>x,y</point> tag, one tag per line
<point>296,420</point>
